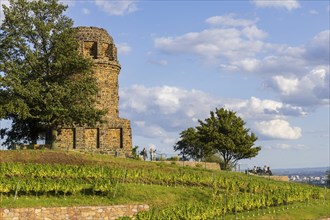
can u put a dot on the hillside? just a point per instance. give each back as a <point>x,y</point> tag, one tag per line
<point>57,178</point>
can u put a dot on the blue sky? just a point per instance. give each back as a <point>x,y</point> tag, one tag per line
<point>266,60</point>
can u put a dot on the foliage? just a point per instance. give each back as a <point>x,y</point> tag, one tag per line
<point>174,158</point>
<point>189,145</point>
<point>213,158</point>
<point>190,193</point>
<point>45,81</point>
<point>72,179</point>
<point>135,151</point>
<point>223,134</point>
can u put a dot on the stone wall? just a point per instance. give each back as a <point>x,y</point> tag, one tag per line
<point>115,133</point>
<point>74,213</point>
<point>278,178</point>
<point>210,166</point>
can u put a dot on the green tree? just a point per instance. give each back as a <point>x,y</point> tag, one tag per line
<point>190,146</point>
<point>45,83</point>
<point>222,134</point>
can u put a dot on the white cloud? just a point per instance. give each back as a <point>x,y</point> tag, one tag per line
<point>229,20</point>
<point>278,128</point>
<point>69,3</point>
<point>292,72</point>
<point>273,59</point>
<point>248,64</point>
<point>285,146</point>
<point>286,85</point>
<point>239,46</point>
<point>123,49</point>
<point>313,12</point>
<point>310,89</point>
<point>258,109</point>
<point>86,11</point>
<point>165,111</point>
<point>120,7</point>
<point>3,2</point>
<point>252,32</point>
<point>166,100</point>
<point>318,49</point>
<point>153,131</point>
<point>229,43</point>
<point>158,62</point>
<point>287,4</point>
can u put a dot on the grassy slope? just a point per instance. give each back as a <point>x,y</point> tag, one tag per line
<point>155,196</point>
<point>129,193</point>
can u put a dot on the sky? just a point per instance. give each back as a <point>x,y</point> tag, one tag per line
<point>266,60</point>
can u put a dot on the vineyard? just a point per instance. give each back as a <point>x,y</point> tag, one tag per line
<point>225,193</point>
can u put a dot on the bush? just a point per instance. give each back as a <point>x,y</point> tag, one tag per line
<point>175,158</point>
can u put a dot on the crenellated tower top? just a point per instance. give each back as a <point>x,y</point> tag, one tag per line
<point>98,44</point>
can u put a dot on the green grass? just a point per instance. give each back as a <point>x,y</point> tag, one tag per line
<point>154,195</point>
<point>158,197</point>
<point>300,211</point>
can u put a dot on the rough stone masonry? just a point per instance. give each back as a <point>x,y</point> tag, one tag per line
<point>114,135</point>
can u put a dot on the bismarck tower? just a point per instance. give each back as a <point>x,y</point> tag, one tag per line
<point>114,135</point>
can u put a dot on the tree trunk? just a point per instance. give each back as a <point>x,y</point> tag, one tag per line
<point>53,139</point>
<point>34,140</point>
<point>34,132</point>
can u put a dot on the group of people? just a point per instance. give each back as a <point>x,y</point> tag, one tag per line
<point>152,153</point>
<point>261,171</point>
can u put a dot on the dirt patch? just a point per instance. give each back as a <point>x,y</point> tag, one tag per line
<point>43,157</point>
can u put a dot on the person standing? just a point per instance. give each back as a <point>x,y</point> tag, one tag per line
<point>151,152</point>
<point>144,154</point>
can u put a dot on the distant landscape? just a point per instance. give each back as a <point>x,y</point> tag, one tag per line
<point>308,171</point>
<point>309,175</point>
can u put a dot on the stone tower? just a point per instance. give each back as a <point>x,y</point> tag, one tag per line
<point>115,134</point>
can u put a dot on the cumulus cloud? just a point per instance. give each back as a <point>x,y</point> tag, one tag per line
<point>287,4</point>
<point>148,130</point>
<point>258,109</point>
<point>252,32</point>
<point>318,49</point>
<point>166,100</point>
<point>230,43</point>
<point>286,86</point>
<point>123,49</point>
<point>165,111</point>
<point>229,20</point>
<point>277,59</point>
<point>284,146</point>
<point>85,11</point>
<point>239,46</point>
<point>158,62</point>
<point>310,89</point>
<point>121,7</point>
<point>278,128</point>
